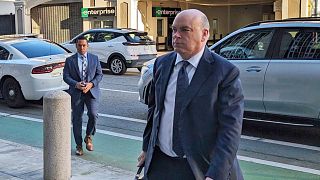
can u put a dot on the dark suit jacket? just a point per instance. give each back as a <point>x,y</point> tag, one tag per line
<point>71,74</point>
<point>212,116</point>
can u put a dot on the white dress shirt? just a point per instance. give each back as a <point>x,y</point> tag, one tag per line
<point>80,62</point>
<point>166,124</point>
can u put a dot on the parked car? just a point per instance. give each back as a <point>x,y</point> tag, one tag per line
<point>29,68</point>
<point>118,49</point>
<point>279,64</point>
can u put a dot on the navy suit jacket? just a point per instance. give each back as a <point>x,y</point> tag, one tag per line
<point>71,75</point>
<point>211,113</point>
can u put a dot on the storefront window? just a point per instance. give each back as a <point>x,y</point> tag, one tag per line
<point>107,24</point>
<point>159,27</point>
<point>96,24</point>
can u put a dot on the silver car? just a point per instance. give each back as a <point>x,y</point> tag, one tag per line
<point>279,64</point>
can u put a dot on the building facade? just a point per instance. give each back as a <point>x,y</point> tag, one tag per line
<point>60,20</point>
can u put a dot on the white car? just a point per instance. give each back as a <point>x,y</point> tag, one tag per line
<point>29,68</point>
<point>118,49</point>
<point>279,63</point>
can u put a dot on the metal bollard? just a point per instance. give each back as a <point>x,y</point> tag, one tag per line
<point>57,135</point>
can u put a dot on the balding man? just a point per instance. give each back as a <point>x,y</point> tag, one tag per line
<point>195,111</point>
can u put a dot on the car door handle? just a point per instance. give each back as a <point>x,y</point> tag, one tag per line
<point>254,69</point>
<point>110,46</point>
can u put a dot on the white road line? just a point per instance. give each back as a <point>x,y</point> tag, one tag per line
<point>283,143</point>
<point>276,122</point>
<point>243,158</point>
<point>280,165</point>
<point>314,148</point>
<point>123,118</point>
<point>115,90</point>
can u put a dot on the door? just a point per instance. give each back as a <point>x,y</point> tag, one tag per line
<point>292,79</point>
<point>101,44</point>
<point>249,52</point>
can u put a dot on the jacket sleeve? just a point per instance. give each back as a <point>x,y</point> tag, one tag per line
<point>151,107</point>
<point>98,74</point>
<point>230,123</point>
<point>66,73</point>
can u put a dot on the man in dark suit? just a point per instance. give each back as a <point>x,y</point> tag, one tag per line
<point>195,111</point>
<point>82,72</point>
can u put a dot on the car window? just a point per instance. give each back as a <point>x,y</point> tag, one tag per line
<point>138,37</point>
<point>247,45</point>
<point>104,36</point>
<point>4,54</point>
<point>38,48</point>
<point>303,44</point>
<point>89,36</point>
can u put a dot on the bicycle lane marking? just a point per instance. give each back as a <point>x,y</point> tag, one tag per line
<point>121,150</point>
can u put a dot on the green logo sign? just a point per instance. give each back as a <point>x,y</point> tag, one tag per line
<point>165,11</point>
<point>100,11</point>
<point>84,12</point>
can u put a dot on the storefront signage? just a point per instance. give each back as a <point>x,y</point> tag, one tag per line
<point>165,11</point>
<point>105,11</point>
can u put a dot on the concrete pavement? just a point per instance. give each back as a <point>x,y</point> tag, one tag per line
<point>25,162</point>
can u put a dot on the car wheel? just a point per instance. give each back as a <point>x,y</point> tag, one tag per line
<point>12,94</point>
<point>117,65</point>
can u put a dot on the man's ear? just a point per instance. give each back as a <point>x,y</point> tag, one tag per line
<point>205,35</point>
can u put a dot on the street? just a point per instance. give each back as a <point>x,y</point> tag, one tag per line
<point>267,151</point>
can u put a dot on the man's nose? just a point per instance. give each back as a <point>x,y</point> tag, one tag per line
<point>176,34</point>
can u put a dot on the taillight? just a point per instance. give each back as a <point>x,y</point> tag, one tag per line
<point>47,68</point>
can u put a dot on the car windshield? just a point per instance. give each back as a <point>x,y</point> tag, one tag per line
<point>137,37</point>
<point>38,48</point>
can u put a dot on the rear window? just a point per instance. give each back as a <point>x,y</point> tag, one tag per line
<point>38,48</point>
<point>136,37</point>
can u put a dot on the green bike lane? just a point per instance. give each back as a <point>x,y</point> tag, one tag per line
<point>122,152</point>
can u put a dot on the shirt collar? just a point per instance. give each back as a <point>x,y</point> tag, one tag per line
<point>85,55</point>
<point>194,60</point>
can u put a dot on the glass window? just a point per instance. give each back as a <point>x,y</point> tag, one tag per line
<point>247,45</point>
<point>38,48</point>
<point>300,44</point>
<point>89,36</point>
<point>4,54</point>
<point>107,24</point>
<point>159,27</point>
<point>96,24</point>
<point>104,36</point>
<point>138,37</point>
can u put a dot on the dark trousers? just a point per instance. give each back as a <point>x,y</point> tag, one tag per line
<point>77,105</point>
<point>164,167</point>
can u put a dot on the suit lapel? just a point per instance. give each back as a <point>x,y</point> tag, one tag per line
<point>203,71</point>
<point>165,76</point>
<point>75,61</point>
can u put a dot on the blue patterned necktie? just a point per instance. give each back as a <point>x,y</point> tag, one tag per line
<point>84,68</point>
<point>182,85</point>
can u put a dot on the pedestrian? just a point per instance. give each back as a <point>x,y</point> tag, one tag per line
<point>195,111</point>
<point>82,72</point>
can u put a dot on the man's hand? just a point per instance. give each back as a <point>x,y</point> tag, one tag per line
<point>207,178</point>
<point>80,86</point>
<point>141,158</point>
<point>88,86</point>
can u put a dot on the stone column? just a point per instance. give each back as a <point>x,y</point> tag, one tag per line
<point>57,135</point>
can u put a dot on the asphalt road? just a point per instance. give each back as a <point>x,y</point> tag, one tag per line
<point>121,112</point>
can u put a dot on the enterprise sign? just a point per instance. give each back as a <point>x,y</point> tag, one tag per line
<point>105,11</point>
<point>165,11</point>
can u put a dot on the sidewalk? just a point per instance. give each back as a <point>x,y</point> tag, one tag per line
<point>25,162</point>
